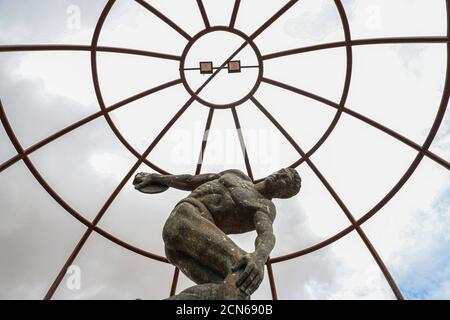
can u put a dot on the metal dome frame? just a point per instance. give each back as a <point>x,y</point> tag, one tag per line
<point>305,156</point>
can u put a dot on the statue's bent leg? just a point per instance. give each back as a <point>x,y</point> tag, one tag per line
<point>190,233</point>
<point>195,271</point>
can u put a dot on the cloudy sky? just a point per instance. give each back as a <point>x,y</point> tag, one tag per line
<point>399,86</point>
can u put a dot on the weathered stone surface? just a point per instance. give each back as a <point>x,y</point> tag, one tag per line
<point>195,234</point>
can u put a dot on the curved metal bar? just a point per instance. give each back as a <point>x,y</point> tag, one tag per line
<point>173,288</point>
<point>197,171</point>
<point>17,145</point>
<point>110,200</point>
<point>201,7</point>
<point>99,96</point>
<point>425,147</point>
<point>169,22</point>
<point>358,42</point>
<point>86,120</point>
<point>5,165</point>
<point>363,118</point>
<point>140,160</point>
<point>274,18</point>
<point>336,197</point>
<point>222,66</point>
<point>67,47</point>
<point>403,180</point>
<point>313,248</point>
<point>60,201</point>
<point>346,89</point>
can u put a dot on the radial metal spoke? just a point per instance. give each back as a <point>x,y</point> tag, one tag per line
<point>304,49</point>
<point>110,200</point>
<point>169,22</point>
<point>64,47</point>
<point>8,163</point>
<point>338,200</point>
<point>60,201</point>
<point>173,287</point>
<point>315,247</point>
<point>242,143</point>
<point>141,158</point>
<point>359,42</point>
<point>274,18</point>
<point>396,188</point>
<point>204,141</point>
<point>144,94</point>
<point>137,52</point>
<point>423,150</point>
<point>98,93</point>
<point>201,7</point>
<point>278,126</point>
<point>431,136</point>
<point>363,118</point>
<point>234,14</point>
<point>84,121</point>
<point>222,66</point>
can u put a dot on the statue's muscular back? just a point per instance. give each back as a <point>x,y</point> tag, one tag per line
<point>230,199</point>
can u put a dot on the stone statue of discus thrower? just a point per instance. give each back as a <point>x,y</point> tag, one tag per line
<point>195,234</point>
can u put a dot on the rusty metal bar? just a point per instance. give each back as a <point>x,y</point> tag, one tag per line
<point>220,68</point>
<point>234,14</point>
<point>313,248</point>
<point>113,127</point>
<point>273,287</point>
<point>59,200</point>
<point>358,42</point>
<point>173,288</point>
<point>110,200</point>
<point>113,196</point>
<point>204,141</point>
<point>274,18</point>
<point>433,132</point>
<point>338,200</point>
<point>403,180</point>
<point>363,118</point>
<point>201,7</point>
<point>424,150</point>
<point>86,120</point>
<point>66,47</point>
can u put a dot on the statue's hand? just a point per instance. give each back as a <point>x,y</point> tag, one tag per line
<point>252,276</point>
<point>143,179</point>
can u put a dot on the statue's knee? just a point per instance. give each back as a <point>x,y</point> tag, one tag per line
<point>171,232</point>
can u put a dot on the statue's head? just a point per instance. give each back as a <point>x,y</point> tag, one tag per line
<point>283,184</point>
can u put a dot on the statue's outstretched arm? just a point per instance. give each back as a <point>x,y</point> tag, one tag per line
<point>185,182</point>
